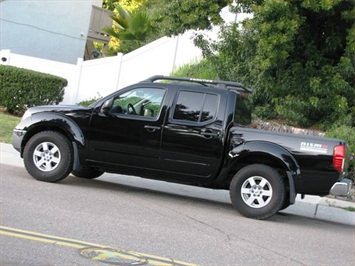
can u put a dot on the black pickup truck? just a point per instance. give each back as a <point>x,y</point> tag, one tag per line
<point>189,131</point>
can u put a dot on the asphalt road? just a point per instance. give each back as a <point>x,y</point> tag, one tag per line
<point>131,221</point>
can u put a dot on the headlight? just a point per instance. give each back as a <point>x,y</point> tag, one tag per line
<point>26,115</point>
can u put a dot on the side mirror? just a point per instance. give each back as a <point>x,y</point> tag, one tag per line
<point>106,107</point>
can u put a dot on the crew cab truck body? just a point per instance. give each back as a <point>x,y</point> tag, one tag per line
<point>188,131</point>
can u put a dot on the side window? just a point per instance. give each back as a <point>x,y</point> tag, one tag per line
<point>209,108</point>
<point>141,102</point>
<point>195,106</point>
<point>242,114</point>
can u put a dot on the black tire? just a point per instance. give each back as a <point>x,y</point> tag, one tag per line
<point>257,191</point>
<point>87,173</point>
<point>48,156</point>
<point>286,203</point>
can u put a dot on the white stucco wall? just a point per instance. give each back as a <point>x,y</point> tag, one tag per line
<point>50,29</point>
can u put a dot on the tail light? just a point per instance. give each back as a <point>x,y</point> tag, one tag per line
<point>339,157</point>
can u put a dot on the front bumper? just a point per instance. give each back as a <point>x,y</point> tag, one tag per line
<point>342,188</point>
<point>17,137</point>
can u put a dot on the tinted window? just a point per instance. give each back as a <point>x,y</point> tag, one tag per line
<point>209,108</point>
<point>242,115</point>
<point>195,106</point>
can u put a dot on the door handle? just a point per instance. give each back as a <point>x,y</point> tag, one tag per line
<point>208,133</point>
<point>151,128</point>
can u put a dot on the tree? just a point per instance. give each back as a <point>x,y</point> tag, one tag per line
<point>130,5</point>
<point>181,15</point>
<point>132,29</point>
<point>299,56</point>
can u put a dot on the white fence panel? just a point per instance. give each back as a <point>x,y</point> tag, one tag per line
<point>155,58</point>
<point>99,77</point>
<point>160,57</point>
<point>186,52</point>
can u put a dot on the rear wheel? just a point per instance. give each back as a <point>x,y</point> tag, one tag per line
<point>257,191</point>
<point>48,156</point>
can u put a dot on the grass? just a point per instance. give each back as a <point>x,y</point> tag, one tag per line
<point>350,209</point>
<point>7,125</point>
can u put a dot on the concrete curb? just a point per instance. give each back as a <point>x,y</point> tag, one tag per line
<point>9,155</point>
<point>326,209</point>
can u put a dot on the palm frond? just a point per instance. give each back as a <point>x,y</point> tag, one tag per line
<point>122,12</point>
<point>128,36</point>
<point>111,32</point>
<point>121,23</point>
<point>132,29</point>
<point>140,22</point>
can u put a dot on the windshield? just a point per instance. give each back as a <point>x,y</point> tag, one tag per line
<point>242,113</point>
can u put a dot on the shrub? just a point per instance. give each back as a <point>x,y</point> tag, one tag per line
<point>203,69</point>
<point>348,134</point>
<point>21,88</point>
<point>87,102</point>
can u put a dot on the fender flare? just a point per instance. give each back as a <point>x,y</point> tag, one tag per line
<point>272,150</point>
<point>52,120</point>
<point>55,120</point>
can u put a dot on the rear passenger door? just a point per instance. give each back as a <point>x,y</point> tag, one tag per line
<point>193,133</point>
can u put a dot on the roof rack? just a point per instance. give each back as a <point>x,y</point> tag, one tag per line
<point>204,82</point>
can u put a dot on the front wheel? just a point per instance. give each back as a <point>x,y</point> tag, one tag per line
<point>257,191</point>
<point>48,156</point>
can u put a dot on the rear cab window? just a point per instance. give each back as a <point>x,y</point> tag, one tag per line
<point>242,112</point>
<point>195,107</point>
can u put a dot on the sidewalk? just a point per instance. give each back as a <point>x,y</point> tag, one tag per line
<point>321,208</point>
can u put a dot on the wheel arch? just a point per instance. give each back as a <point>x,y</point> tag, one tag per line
<point>265,153</point>
<point>53,122</point>
<point>271,154</point>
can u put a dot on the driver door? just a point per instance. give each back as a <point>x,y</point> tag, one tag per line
<point>128,133</point>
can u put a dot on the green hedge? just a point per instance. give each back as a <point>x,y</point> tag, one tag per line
<point>21,88</point>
